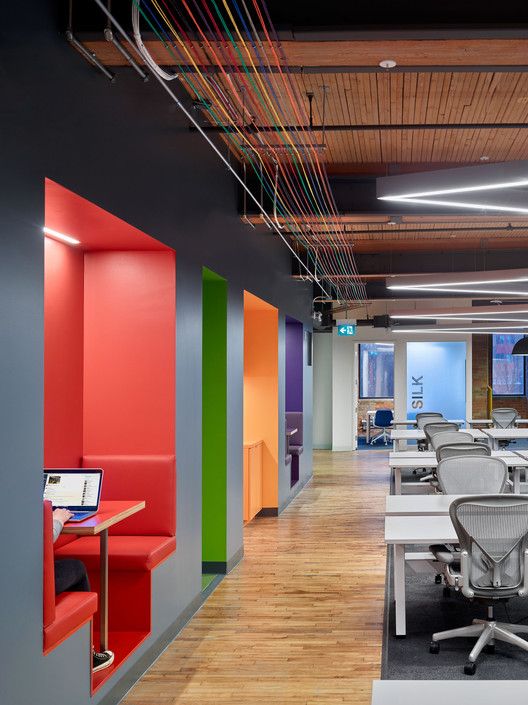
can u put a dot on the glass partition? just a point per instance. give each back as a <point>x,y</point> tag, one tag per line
<point>436,378</point>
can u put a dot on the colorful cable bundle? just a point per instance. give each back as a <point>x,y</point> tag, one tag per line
<point>252,88</point>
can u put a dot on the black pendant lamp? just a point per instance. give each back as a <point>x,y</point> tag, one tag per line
<point>520,347</point>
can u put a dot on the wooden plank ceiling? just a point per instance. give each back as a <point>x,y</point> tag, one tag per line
<point>444,82</point>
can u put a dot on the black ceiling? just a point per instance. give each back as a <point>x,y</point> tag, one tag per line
<point>343,14</point>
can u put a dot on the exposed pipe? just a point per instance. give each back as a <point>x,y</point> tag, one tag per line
<point>189,116</point>
<point>373,127</point>
<point>90,56</point>
<point>109,36</point>
<point>349,69</point>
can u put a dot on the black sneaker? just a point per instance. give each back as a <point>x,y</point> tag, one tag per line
<point>102,660</point>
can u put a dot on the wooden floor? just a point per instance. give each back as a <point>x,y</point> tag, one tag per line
<point>300,619</point>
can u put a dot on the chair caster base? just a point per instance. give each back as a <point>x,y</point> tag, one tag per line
<point>434,647</point>
<point>470,668</point>
<point>438,579</point>
<point>446,591</point>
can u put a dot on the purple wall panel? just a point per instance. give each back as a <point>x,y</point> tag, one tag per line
<point>294,366</point>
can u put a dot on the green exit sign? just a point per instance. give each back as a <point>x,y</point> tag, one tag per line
<point>346,330</point>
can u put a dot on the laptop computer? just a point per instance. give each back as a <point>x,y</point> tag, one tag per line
<point>75,489</point>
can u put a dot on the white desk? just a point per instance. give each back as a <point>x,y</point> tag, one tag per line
<point>402,530</point>
<point>413,459</point>
<point>400,438</point>
<point>413,422</point>
<point>419,505</point>
<point>505,434</point>
<point>467,692</point>
<point>489,422</point>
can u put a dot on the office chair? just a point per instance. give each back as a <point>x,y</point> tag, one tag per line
<point>504,418</point>
<point>431,429</point>
<point>465,448</point>
<point>493,535</point>
<point>447,437</point>
<point>382,419</point>
<point>470,474</point>
<point>424,417</point>
<point>448,450</point>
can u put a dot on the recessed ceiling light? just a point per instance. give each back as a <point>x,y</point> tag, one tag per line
<point>61,236</point>
<point>387,63</point>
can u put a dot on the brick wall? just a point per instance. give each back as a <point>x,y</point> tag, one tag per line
<point>481,378</point>
<point>480,374</point>
<point>365,405</point>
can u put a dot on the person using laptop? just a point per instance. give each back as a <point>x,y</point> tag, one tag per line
<point>71,576</point>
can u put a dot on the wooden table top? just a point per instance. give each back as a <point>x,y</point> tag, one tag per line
<point>110,512</point>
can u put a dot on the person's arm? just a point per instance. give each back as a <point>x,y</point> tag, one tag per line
<point>60,517</point>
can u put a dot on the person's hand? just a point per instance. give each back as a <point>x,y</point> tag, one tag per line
<point>62,515</point>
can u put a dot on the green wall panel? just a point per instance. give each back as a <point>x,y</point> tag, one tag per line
<point>214,419</point>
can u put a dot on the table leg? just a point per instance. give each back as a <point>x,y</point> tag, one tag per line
<point>103,590</point>
<point>399,588</point>
<point>516,480</point>
<point>397,480</point>
<point>368,429</point>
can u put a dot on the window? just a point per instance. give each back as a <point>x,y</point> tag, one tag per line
<point>507,370</point>
<point>376,370</point>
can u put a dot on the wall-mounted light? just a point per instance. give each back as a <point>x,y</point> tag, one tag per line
<point>61,236</point>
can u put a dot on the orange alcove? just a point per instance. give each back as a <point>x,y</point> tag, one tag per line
<point>261,391</point>
<point>109,368</point>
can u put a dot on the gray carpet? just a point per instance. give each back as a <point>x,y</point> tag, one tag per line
<point>427,612</point>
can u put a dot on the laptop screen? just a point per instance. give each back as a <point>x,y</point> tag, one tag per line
<point>73,489</point>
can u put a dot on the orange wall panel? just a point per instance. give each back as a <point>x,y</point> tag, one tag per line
<point>129,346</point>
<point>261,391</point>
<point>63,354</point>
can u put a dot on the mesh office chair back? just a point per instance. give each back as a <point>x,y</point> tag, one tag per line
<point>504,418</point>
<point>427,417</point>
<point>445,437</point>
<point>469,474</point>
<point>494,532</point>
<point>431,429</point>
<point>450,450</point>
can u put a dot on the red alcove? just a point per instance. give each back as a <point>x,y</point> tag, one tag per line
<point>109,365</point>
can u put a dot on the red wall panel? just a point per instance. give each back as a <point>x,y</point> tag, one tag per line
<point>63,354</point>
<point>129,352</point>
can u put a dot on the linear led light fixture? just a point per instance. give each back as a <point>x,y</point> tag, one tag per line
<point>460,315</point>
<point>473,328</point>
<point>462,318</point>
<point>455,204</point>
<point>447,331</point>
<point>486,186</point>
<point>447,289</point>
<point>492,330</point>
<point>513,280</point>
<point>61,236</point>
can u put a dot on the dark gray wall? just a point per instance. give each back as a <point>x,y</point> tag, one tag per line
<point>126,148</point>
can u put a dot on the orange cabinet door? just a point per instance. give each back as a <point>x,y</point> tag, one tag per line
<point>255,480</point>
<point>245,486</point>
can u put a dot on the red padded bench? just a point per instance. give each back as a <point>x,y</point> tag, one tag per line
<point>65,613</point>
<point>144,540</point>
